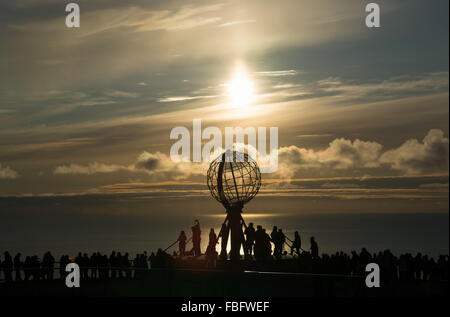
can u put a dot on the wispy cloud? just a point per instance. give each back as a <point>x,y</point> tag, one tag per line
<point>121,94</point>
<point>321,135</point>
<point>231,23</point>
<point>277,73</point>
<point>183,98</point>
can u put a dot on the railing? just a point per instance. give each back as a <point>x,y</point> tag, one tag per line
<point>40,272</point>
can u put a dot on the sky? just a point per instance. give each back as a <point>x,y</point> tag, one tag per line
<point>362,113</point>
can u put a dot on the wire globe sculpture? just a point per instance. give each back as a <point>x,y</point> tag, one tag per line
<point>233,178</point>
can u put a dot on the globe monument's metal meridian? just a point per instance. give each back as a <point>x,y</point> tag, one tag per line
<point>233,179</point>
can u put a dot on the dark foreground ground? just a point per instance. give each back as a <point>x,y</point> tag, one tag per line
<point>190,282</point>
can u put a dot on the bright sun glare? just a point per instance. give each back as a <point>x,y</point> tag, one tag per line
<point>240,91</point>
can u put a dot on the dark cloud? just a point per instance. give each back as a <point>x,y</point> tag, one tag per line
<point>148,161</point>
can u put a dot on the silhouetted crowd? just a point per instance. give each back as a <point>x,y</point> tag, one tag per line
<point>406,267</point>
<point>257,244</point>
<point>96,266</point>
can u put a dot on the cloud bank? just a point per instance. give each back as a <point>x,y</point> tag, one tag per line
<point>413,157</point>
<point>341,157</point>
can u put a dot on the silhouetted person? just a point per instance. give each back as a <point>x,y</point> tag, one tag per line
<point>120,266</point>
<point>250,238</point>
<point>365,257</point>
<point>273,234</point>
<point>442,267</point>
<point>104,267</point>
<point>212,239</point>
<point>79,260</point>
<point>152,258</point>
<point>145,260</point>
<point>113,264</point>
<point>18,267</point>
<point>211,254</point>
<point>27,265</point>
<point>35,268</point>
<point>48,264</point>
<point>281,240</point>
<point>7,267</point>
<point>182,243</point>
<point>314,248</point>
<point>418,266</point>
<point>93,263</point>
<point>275,238</point>
<point>196,238</point>
<point>296,244</point>
<point>63,261</point>
<point>267,251</point>
<point>259,243</point>
<point>127,265</point>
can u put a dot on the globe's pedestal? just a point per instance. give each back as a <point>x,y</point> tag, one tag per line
<point>234,217</point>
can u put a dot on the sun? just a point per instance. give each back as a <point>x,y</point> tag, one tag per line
<point>240,91</point>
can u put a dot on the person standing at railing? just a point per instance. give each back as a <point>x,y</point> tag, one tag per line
<point>113,264</point>
<point>250,239</point>
<point>18,267</point>
<point>127,265</point>
<point>7,266</point>
<point>27,268</point>
<point>48,264</point>
<point>63,261</point>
